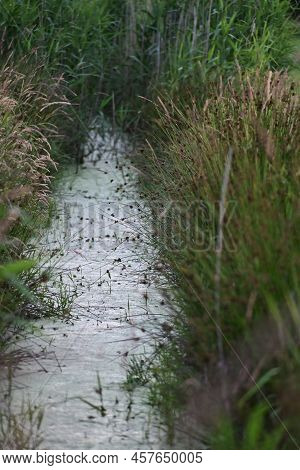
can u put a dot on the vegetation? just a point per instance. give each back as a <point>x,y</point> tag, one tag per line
<point>19,430</point>
<point>112,51</point>
<point>227,176</point>
<point>28,110</point>
<point>223,165</point>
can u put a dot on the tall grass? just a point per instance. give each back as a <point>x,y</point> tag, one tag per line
<point>110,52</point>
<point>244,299</point>
<point>29,110</point>
<point>224,159</point>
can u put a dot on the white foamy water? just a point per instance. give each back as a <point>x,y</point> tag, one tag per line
<point>99,242</point>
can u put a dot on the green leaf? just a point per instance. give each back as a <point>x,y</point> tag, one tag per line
<point>263,380</point>
<point>255,427</point>
<point>11,270</point>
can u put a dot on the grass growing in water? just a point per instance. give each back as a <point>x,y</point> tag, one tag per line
<point>19,429</point>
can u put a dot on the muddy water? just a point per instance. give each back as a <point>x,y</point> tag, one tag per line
<point>99,245</point>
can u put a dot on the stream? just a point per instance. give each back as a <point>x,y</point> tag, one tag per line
<point>99,246</point>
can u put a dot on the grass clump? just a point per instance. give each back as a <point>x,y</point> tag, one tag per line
<point>19,430</point>
<point>27,126</point>
<point>29,110</point>
<point>240,298</point>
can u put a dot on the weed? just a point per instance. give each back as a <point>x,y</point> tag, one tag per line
<point>256,115</point>
<point>19,429</point>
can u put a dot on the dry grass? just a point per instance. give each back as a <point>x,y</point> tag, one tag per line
<point>27,110</point>
<point>31,106</point>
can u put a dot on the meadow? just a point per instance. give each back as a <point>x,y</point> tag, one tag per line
<point>206,89</point>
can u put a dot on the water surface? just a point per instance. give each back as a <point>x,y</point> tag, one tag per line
<point>99,243</point>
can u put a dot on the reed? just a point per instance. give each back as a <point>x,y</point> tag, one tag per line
<point>29,110</point>
<point>236,323</point>
<point>125,49</point>
<point>107,55</point>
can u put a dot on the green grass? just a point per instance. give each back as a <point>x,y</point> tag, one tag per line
<point>240,297</point>
<point>30,109</point>
<point>110,52</point>
<point>239,273</point>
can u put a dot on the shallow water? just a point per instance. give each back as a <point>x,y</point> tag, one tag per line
<point>99,243</point>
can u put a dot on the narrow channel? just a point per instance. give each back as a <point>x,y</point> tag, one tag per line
<point>99,245</point>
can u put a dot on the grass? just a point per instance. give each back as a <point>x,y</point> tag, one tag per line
<point>109,52</point>
<point>236,338</point>
<point>239,298</point>
<point>19,429</point>
<point>29,111</point>
<point>223,142</point>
